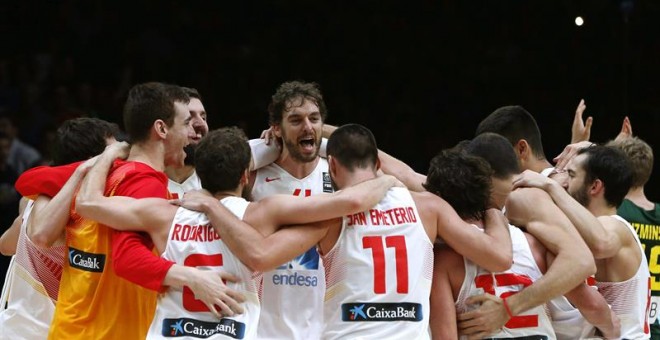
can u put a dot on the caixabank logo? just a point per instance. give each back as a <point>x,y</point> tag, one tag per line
<point>185,327</point>
<point>363,311</point>
<point>86,261</point>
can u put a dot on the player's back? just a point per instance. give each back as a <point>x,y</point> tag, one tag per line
<point>524,271</point>
<point>193,242</point>
<point>379,273</point>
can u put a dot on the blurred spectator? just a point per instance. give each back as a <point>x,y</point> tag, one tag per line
<point>21,156</point>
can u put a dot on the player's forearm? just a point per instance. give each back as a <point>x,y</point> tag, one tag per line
<point>244,241</point>
<point>593,307</point>
<point>361,196</point>
<point>133,259</point>
<point>410,178</point>
<point>49,218</point>
<point>498,246</point>
<point>9,238</point>
<point>600,241</point>
<point>566,272</point>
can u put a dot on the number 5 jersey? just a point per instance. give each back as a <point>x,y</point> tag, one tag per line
<point>193,242</point>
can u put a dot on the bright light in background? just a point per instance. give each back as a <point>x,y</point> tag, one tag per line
<point>579,21</point>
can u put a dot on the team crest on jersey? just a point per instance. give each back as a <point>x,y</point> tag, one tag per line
<point>308,260</point>
<point>327,183</point>
<point>86,261</point>
<point>173,328</point>
<point>363,311</point>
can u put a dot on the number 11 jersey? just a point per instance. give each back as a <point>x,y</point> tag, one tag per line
<point>378,274</point>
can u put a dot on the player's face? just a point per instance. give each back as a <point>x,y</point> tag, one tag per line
<point>301,129</point>
<point>577,187</point>
<point>500,192</point>
<point>178,136</point>
<point>198,120</point>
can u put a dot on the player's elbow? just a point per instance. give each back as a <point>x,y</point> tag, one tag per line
<point>603,249</point>
<point>41,239</point>
<point>7,249</point>
<point>257,259</point>
<point>585,264</point>
<point>502,262</point>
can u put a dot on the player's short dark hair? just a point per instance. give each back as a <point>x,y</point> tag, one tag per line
<point>354,146</point>
<point>514,123</point>
<point>221,158</point>
<point>79,139</point>
<point>463,180</point>
<point>612,167</point>
<point>291,94</point>
<point>497,151</point>
<point>147,103</point>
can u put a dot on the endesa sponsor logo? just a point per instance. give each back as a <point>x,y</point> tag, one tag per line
<point>86,261</point>
<point>295,279</point>
<point>173,328</point>
<point>363,311</point>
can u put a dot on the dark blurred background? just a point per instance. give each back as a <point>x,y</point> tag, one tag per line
<point>420,74</point>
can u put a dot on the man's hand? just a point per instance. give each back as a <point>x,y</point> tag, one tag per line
<point>487,319</point>
<point>531,179</point>
<point>581,131</point>
<point>197,200</point>
<point>569,152</point>
<point>268,136</point>
<point>209,287</point>
<point>626,129</point>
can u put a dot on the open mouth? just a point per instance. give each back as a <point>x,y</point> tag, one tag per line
<point>307,143</point>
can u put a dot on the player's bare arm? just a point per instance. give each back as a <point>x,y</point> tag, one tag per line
<point>9,238</point>
<point>287,209</point>
<point>603,242</point>
<point>534,210</point>
<point>50,215</point>
<point>443,310</point>
<point>490,249</point>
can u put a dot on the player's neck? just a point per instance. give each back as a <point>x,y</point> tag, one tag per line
<point>598,207</point>
<point>228,193</point>
<point>152,154</point>
<point>637,196</point>
<point>295,167</point>
<point>538,165</point>
<point>358,176</point>
<point>179,175</point>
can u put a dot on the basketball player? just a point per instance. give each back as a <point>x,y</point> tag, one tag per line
<point>457,278</point>
<point>187,237</point>
<point>599,179</point>
<point>379,261</point>
<point>34,277</point>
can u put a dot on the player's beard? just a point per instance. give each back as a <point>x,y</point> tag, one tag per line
<point>190,154</point>
<point>581,195</point>
<point>296,154</point>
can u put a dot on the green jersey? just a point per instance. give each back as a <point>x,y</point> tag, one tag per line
<point>647,226</point>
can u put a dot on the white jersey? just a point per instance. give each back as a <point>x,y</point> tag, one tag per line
<point>630,299</point>
<point>178,189</point>
<point>534,323</point>
<point>192,242</point>
<point>567,321</point>
<point>379,274</point>
<point>31,287</point>
<point>292,294</point>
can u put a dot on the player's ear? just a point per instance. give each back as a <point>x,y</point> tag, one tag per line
<point>245,177</point>
<point>160,128</point>
<point>277,131</point>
